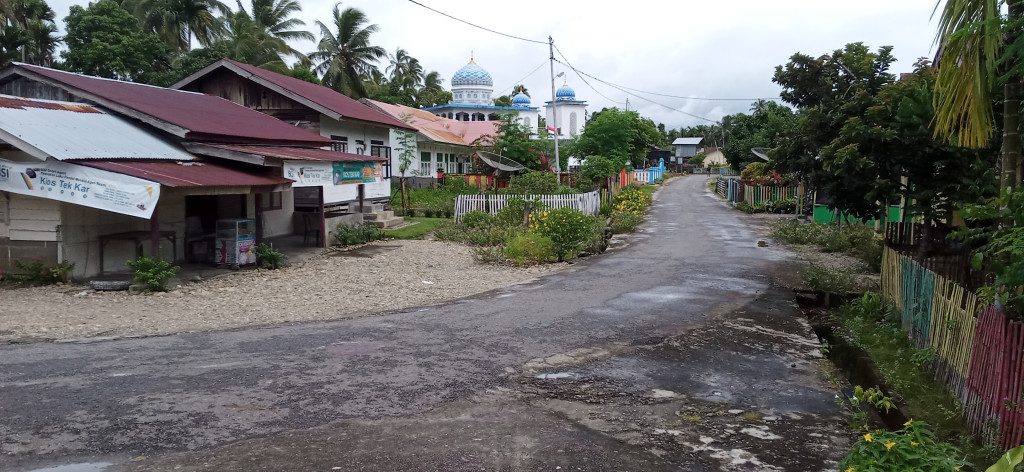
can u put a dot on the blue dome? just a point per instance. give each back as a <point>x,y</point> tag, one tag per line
<point>521,100</point>
<point>565,93</point>
<point>472,74</point>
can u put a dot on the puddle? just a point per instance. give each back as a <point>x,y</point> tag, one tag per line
<point>81,467</point>
<point>559,375</point>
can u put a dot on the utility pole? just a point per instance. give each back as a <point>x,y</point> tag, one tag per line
<point>554,109</point>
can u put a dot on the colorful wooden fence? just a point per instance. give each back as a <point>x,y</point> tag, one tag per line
<point>588,203</point>
<point>757,194</point>
<point>979,353</point>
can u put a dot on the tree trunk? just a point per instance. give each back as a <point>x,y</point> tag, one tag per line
<point>1011,151</point>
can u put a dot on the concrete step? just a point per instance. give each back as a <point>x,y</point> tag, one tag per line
<point>378,215</point>
<point>386,223</point>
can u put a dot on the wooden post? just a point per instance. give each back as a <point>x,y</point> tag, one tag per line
<point>323,217</point>
<point>259,218</point>
<point>154,233</point>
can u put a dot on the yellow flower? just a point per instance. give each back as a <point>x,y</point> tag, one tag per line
<point>889,445</point>
<point>909,422</point>
<point>956,468</point>
<point>913,443</point>
<point>851,469</point>
<point>867,437</point>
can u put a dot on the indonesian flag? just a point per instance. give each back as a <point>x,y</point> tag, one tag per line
<point>552,129</point>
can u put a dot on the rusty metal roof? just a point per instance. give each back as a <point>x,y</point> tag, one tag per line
<point>203,117</point>
<point>188,174</point>
<point>65,130</point>
<point>313,95</point>
<point>300,154</point>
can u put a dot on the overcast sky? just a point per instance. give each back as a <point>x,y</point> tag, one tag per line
<point>705,49</point>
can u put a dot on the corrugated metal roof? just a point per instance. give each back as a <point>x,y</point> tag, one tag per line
<point>300,154</point>
<point>685,141</point>
<point>436,128</point>
<point>188,174</point>
<point>207,118</point>
<point>64,130</point>
<point>315,94</point>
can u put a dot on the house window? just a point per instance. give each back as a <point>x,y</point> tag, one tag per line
<point>270,201</point>
<point>340,143</point>
<point>478,117</point>
<point>385,152</point>
<point>492,117</point>
<point>425,163</point>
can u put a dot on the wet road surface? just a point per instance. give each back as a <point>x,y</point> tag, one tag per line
<point>675,352</point>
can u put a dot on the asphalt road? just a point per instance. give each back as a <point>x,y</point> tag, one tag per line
<point>455,386</point>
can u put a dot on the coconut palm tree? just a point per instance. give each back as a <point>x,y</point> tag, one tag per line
<point>275,17</point>
<point>29,25</point>
<point>244,40</point>
<point>404,70</point>
<point>971,40</point>
<point>177,22</point>
<point>344,55</point>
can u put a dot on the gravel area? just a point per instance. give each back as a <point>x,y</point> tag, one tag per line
<point>339,284</point>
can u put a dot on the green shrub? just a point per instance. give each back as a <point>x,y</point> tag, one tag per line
<point>912,448</point>
<point>485,235</point>
<point>429,212</point>
<point>538,182</point>
<point>570,231</point>
<point>411,213</point>
<point>606,210</point>
<point>270,258</point>
<point>744,207</point>
<point>457,186</point>
<point>489,254</point>
<point>348,235</point>
<point>828,280</point>
<point>633,200</point>
<point>625,222</point>
<point>35,272</point>
<point>513,213</point>
<point>152,273</point>
<point>529,248</point>
<point>476,219</point>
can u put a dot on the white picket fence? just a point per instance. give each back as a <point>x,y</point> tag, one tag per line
<point>588,203</point>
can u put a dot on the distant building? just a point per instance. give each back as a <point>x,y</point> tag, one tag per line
<point>571,112</point>
<point>685,149</point>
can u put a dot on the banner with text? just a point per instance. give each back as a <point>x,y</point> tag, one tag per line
<point>356,172</point>
<point>309,173</point>
<point>80,185</point>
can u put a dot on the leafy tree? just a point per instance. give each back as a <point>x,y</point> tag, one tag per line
<point>512,140</point>
<point>344,55</point>
<point>185,65</point>
<point>106,41</point>
<point>621,136</point>
<point>432,92</point>
<point>406,154</point>
<point>598,168</point>
<point>304,74</point>
<point>503,101</point>
<point>763,128</point>
<point>28,32</point>
<point>520,89</point>
<point>829,91</point>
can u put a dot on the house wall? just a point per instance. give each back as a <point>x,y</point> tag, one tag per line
<point>566,110</point>
<point>230,86</point>
<point>686,150</point>
<point>438,153</point>
<point>355,131</point>
<point>715,158</point>
<point>29,227</point>
<point>278,222</point>
<point>22,87</point>
<point>83,227</point>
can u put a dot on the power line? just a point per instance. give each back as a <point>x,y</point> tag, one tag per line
<point>623,90</point>
<point>584,79</point>
<point>478,26</point>
<point>542,64</point>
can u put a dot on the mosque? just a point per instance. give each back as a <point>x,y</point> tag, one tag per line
<point>472,89</point>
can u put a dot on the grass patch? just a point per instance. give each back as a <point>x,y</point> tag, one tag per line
<point>874,326</point>
<point>649,189</point>
<point>855,239</point>
<point>751,416</point>
<point>416,231</point>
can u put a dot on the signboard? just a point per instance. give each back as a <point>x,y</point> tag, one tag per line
<point>356,172</point>
<point>80,185</point>
<point>309,173</point>
<point>325,174</point>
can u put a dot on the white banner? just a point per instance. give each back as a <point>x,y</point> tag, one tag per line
<point>309,173</point>
<point>80,185</point>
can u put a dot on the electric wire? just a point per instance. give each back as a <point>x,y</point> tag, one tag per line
<point>583,78</point>
<point>709,120</point>
<point>478,26</point>
<point>542,64</point>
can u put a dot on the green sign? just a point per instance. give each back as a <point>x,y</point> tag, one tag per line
<point>356,172</point>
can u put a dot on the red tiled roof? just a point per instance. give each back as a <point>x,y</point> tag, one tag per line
<point>300,154</point>
<point>323,96</point>
<point>186,174</point>
<point>207,118</point>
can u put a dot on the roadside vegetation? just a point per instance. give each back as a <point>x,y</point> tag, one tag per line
<point>855,239</point>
